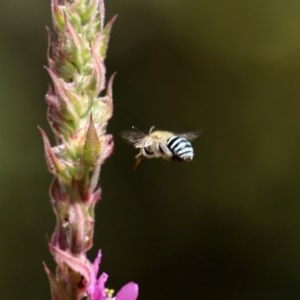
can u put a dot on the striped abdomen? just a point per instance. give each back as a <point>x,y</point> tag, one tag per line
<point>181,148</point>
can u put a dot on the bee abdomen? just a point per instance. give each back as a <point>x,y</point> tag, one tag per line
<point>181,148</point>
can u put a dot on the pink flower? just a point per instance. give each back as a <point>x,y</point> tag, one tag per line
<point>98,291</point>
<point>91,285</point>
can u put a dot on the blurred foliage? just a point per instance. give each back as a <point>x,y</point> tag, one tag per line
<point>225,226</point>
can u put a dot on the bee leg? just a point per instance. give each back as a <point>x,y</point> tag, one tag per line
<point>138,159</point>
<point>164,150</point>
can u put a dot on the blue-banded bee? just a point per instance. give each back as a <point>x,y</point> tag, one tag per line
<point>165,144</point>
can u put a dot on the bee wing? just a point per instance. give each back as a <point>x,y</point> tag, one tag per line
<point>190,135</point>
<point>134,137</point>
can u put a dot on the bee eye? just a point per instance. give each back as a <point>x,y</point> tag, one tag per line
<point>148,150</point>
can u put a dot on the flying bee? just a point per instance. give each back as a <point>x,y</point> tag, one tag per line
<point>157,143</point>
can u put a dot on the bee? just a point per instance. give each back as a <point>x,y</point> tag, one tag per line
<point>164,144</point>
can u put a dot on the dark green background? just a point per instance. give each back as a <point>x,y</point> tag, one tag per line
<point>225,226</point>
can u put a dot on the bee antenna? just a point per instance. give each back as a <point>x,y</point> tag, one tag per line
<point>151,129</point>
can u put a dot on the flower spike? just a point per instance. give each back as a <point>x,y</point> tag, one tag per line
<point>80,105</point>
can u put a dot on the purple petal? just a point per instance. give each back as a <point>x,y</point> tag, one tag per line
<point>96,263</point>
<point>99,289</point>
<point>128,292</point>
